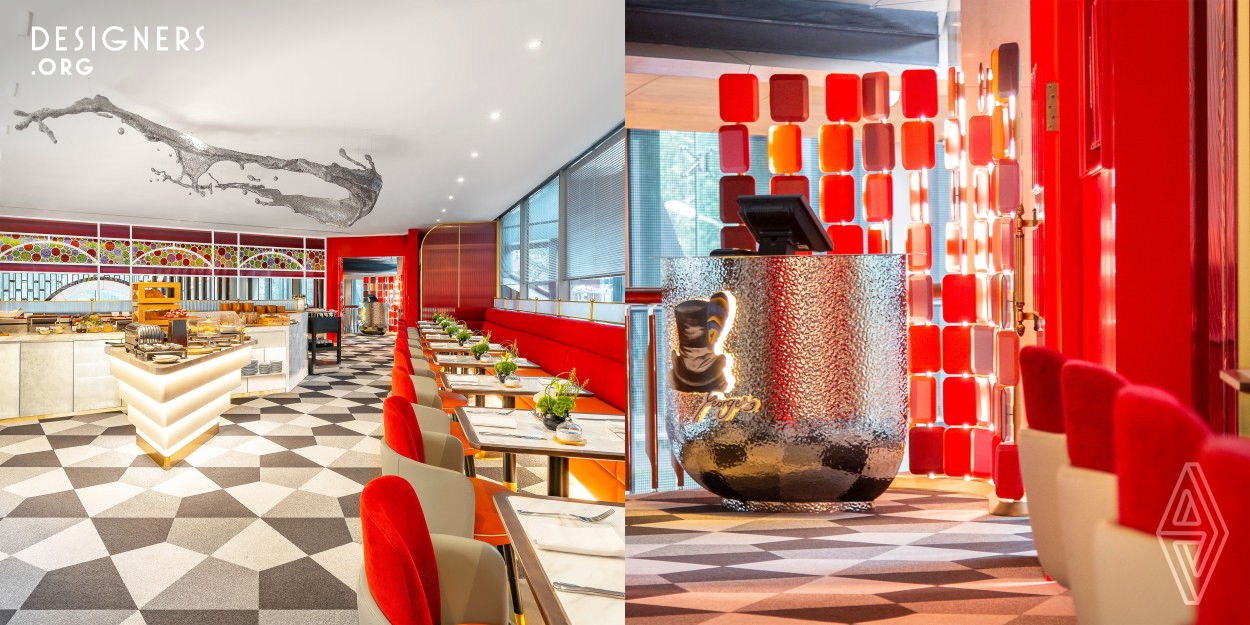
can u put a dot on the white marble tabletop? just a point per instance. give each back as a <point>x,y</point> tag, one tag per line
<point>485,428</point>
<point>544,567</point>
<point>35,337</point>
<point>453,347</point>
<point>471,384</point>
<point>467,360</point>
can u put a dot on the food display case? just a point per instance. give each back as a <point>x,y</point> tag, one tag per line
<point>157,303</point>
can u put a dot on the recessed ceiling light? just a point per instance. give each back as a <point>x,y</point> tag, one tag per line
<point>444,210</point>
<point>438,220</point>
<point>472,154</point>
<point>535,44</point>
<point>494,116</point>
<point>451,197</point>
<point>460,179</point>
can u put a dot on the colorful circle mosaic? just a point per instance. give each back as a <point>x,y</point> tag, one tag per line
<point>31,249</point>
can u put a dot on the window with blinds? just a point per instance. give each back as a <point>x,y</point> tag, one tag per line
<point>542,242</point>
<point>596,214</point>
<point>510,253</point>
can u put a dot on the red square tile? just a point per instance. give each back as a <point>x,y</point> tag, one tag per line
<point>876,96</point>
<point>1007,357</point>
<point>1003,244</point>
<point>1006,187</point>
<point>791,185</point>
<point>877,241</point>
<point>925,345</point>
<point>842,100</point>
<point>787,97</point>
<point>957,452</point>
<point>739,98</point>
<point>923,399</point>
<point>984,442</point>
<point>878,197</point>
<point>980,140</point>
<point>847,239</point>
<point>919,246</point>
<point>837,198</point>
<point>957,350</point>
<point>1007,481</point>
<point>959,298</point>
<point>954,246</point>
<point>952,142</point>
<point>1008,74</point>
<point>983,341</point>
<point>919,97</point>
<point>924,450</point>
<point>737,237</point>
<point>918,146</point>
<point>837,148</point>
<point>920,298</point>
<point>877,147</point>
<point>735,149</point>
<point>918,195</point>
<point>785,149</point>
<point>731,188</point>
<point>959,400</point>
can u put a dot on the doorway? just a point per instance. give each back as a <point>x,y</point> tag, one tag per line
<point>372,290</point>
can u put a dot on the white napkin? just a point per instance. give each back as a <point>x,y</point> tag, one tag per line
<point>590,541</point>
<point>494,421</point>
<point>461,377</point>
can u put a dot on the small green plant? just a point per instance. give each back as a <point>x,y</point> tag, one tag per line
<point>560,395</point>
<point>506,365</point>
<point>481,347</point>
<point>463,336</point>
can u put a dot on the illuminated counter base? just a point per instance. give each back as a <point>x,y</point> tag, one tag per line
<point>174,408</point>
<point>811,352</point>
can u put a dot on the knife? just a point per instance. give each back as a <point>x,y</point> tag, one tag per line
<point>533,438</point>
<point>587,590</point>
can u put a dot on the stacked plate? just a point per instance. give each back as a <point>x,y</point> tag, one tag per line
<point>271,367</point>
<point>251,368</point>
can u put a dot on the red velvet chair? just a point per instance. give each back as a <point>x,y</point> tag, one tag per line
<point>413,367</point>
<point>413,577</point>
<point>404,386</point>
<point>1133,582</point>
<point>431,463</point>
<point>1043,450</point>
<point>1225,463</point>
<point>1086,487</point>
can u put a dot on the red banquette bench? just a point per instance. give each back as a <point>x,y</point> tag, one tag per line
<point>597,351</point>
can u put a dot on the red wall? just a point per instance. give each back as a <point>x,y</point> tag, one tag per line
<point>338,248</point>
<point>459,270</point>
<point>1118,219</point>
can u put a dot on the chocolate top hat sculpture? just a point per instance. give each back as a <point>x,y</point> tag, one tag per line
<point>696,368</point>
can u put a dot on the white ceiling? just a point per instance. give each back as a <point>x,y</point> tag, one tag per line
<point>410,82</point>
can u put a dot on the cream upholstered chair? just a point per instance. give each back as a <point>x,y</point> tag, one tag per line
<point>1132,580</point>
<point>1043,450</point>
<point>1087,485</point>
<point>411,575</point>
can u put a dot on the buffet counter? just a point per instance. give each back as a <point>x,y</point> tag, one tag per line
<point>37,370</point>
<point>175,407</point>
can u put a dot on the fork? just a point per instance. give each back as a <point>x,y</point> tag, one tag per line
<point>587,590</point>
<point>567,515</point>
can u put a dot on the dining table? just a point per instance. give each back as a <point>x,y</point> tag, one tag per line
<point>462,363</point>
<point>575,566</point>
<point>452,347</point>
<point>512,431</point>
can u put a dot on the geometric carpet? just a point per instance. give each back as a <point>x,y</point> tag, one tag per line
<point>919,558</point>
<point>259,526</point>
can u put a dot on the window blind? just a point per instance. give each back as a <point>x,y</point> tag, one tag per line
<point>596,213</point>
<point>510,252</point>
<point>542,241</point>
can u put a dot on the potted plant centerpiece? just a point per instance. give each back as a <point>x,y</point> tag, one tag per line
<point>481,347</point>
<point>506,365</point>
<point>463,336</point>
<point>558,398</point>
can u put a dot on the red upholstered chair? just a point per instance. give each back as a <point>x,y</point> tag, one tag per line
<point>1155,438</point>
<point>412,366</point>
<point>1043,449</point>
<point>1087,486</point>
<point>413,577</point>
<point>430,462</point>
<point>405,387</point>
<point>1225,463</point>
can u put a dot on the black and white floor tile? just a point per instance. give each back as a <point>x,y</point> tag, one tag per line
<point>259,526</point>
<point>920,558</point>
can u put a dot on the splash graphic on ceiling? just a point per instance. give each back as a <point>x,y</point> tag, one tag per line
<point>362,182</point>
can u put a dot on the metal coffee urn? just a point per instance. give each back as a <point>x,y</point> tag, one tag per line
<point>788,377</point>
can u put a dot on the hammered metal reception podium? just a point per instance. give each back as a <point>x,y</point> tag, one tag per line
<point>788,384</point>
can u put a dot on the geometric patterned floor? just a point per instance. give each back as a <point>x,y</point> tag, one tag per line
<point>920,558</point>
<point>259,526</point>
